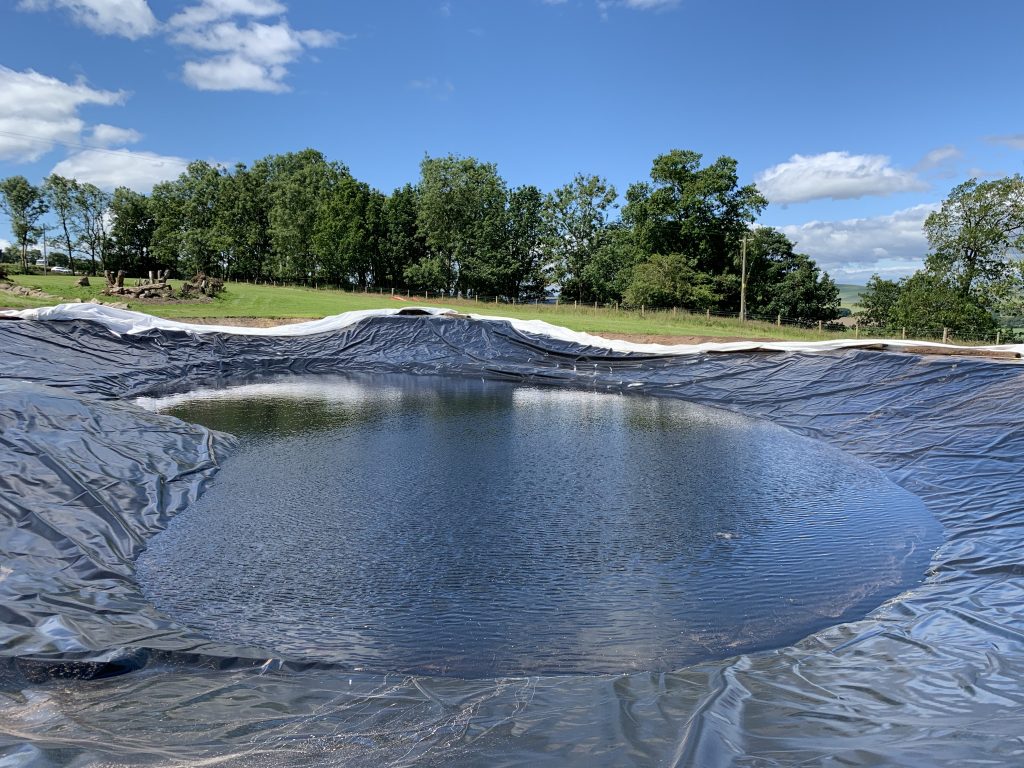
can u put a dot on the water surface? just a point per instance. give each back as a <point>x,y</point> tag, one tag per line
<point>476,529</point>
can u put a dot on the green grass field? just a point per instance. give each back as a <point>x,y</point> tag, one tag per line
<point>849,296</point>
<point>242,300</point>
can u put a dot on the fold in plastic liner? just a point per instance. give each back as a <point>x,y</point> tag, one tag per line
<point>92,674</point>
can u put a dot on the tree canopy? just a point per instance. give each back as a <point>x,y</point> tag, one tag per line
<point>461,228</point>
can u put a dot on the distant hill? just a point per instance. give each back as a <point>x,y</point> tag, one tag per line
<point>849,295</point>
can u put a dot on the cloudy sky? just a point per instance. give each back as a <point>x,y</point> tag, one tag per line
<point>854,118</point>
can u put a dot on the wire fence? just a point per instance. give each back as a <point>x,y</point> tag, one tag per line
<point>848,327</point>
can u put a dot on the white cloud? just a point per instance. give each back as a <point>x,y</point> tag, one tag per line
<point>647,5</point>
<point>892,245</point>
<point>215,10</point>
<point>247,56</point>
<point>938,157</point>
<point>4,244</point>
<point>111,136</point>
<point>37,110</point>
<point>120,168</point>
<point>1011,140</point>
<point>836,175</point>
<point>442,89</point>
<point>128,18</point>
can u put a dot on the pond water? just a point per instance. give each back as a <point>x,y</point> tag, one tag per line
<point>478,529</point>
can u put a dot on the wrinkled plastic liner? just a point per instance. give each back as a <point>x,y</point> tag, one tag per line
<point>92,674</point>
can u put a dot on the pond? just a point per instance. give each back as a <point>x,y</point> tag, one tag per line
<point>472,528</point>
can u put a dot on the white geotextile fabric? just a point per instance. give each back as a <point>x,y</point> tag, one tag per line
<point>123,321</point>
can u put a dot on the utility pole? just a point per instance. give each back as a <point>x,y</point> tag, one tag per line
<point>743,278</point>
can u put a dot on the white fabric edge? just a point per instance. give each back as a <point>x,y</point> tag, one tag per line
<point>123,321</point>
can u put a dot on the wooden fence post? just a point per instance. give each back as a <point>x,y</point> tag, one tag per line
<point>945,335</point>
<point>778,320</point>
<point>821,327</point>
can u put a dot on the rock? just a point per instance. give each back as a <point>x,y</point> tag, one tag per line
<point>82,282</point>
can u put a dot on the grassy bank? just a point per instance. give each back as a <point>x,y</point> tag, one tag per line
<point>265,301</point>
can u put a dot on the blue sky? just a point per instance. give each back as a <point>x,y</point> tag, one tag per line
<point>855,118</point>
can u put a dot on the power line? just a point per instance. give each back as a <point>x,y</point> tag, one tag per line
<point>73,145</point>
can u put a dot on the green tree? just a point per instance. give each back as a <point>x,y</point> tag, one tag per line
<point>243,222</point>
<point>577,217</point>
<point>783,282</point>
<point>671,280</point>
<point>92,206</point>
<point>609,272</point>
<point>187,233</point>
<point>62,197</point>
<point>977,238</point>
<point>132,233</point>
<point>878,303</point>
<point>518,269</point>
<point>24,205</point>
<point>347,231</point>
<point>298,183</point>
<point>461,215</point>
<point>699,212</point>
<point>929,302</point>
<point>403,244</point>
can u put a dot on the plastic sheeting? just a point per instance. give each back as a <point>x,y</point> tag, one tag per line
<point>94,676</point>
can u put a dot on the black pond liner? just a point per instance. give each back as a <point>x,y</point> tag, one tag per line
<point>91,674</point>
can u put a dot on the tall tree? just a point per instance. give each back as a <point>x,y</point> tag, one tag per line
<point>577,216</point>
<point>346,231</point>
<point>929,302</point>
<point>131,233</point>
<point>403,244</point>
<point>62,196</point>
<point>699,212</point>
<point>298,183</point>
<point>92,208</point>
<point>188,234</point>
<point>24,205</point>
<point>878,303</point>
<point>518,267</point>
<point>461,215</point>
<point>977,238</point>
<point>243,222</point>
<point>783,282</point>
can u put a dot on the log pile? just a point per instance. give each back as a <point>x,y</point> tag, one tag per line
<point>153,287</point>
<point>201,285</point>
<point>156,286</point>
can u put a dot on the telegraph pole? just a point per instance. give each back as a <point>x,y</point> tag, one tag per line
<point>743,278</point>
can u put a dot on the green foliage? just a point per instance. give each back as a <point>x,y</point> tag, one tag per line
<point>699,212</point>
<point>462,217</point>
<point>878,303</point>
<point>671,280</point>
<point>92,206</point>
<point>24,205</point>
<point>518,271</point>
<point>576,222</point>
<point>782,282</point>
<point>404,244</point>
<point>186,234</point>
<point>132,233</point>
<point>299,218</point>
<point>929,302</point>
<point>63,196</point>
<point>977,237</point>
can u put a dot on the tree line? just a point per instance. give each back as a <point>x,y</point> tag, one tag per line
<point>973,280</point>
<point>300,218</point>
